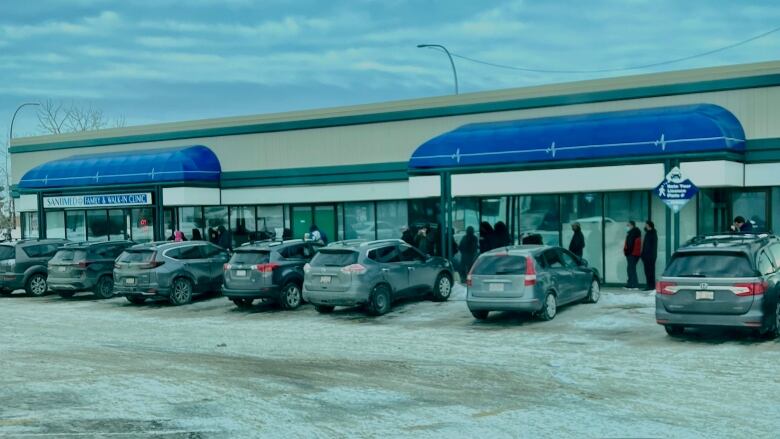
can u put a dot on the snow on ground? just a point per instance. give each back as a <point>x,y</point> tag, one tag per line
<point>83,367</point>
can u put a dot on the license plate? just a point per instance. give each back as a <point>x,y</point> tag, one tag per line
<point>705,295</point>
<point>324,279</point>
<point>496,287</point>
<point>240,273</point>
<point>61,269</point>
<point>130,281</point>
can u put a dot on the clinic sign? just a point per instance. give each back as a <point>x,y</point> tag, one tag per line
<point>675,191</point>
<point>88,201</point>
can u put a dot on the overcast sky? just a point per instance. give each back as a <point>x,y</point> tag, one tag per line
<point>170,60</point>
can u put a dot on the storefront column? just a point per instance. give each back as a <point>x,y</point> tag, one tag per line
<point>41,217</point>
<point>445,211</point>
<point>159,215</point>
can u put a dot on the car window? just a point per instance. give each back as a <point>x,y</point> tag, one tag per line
<point>7,252</point>
<point>568,260</point>
<point>250,257</point>
<point>209,251</point>
<point>295,252</point>
<point>765,265</point>
<point>334,258</point>
<point>500,264</point>
<point>553,259</point>
<point>189,253</point>
<point>774,251</point>
<point>411,254</point>
<point>710,264</point>
<point>309,250</point>
<point>385,255</point>
<point>41,251</point>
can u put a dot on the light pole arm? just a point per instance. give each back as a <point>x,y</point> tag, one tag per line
<point>452,62</point>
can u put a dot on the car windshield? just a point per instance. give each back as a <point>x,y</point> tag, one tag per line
<point>251,257</point>
<point>69,256</point>
<point>500,265</point>
<point>136,256</point>
<point>7,252</point>
<point>334,258</point>
<point>710,264</point>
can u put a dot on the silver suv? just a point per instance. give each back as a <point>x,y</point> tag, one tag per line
<point>173,270</point>
<point>374,274</point>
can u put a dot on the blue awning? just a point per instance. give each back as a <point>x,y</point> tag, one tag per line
<point>646,132</point>
<point>190,164</point>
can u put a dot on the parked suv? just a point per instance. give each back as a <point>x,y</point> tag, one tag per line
<point>85,266</point>
<point>269,270</point>
<point>173,270</point>
<point>534,279</point>
<point>721,280</point>
<point>374,274</point>
<point>23,264</point>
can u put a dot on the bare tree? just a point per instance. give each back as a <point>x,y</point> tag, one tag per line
<point>57,117</point>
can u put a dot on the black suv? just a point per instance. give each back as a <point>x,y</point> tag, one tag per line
<point>268,270</point>
<point>86,266</point>
<point>722,280</point>
<point>23,264</point>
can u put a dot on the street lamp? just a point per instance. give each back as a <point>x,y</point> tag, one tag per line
<point>8,160</point>
<point>452,63</point>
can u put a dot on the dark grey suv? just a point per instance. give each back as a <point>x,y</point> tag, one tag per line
<point>23,264</point>
<point>174,270</point>
<point>85,266</point>
<point>722,280</point>
<point>374,274</point>
<point>270,270</point>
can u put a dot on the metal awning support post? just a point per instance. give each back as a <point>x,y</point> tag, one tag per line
<point>445,212</point>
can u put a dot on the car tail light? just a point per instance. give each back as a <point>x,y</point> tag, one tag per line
<point>353,269</point>
<point>266,269</point>
<point>469,280</point>
<point>751,289</point>
<point>227,267</point>
<point>664,288</point>
<point>530,272</point>
<point>307,268</point>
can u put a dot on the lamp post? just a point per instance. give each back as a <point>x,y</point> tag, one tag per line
<point>8,160</point>
<point>452,63</point>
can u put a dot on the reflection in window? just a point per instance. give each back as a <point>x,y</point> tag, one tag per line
<point>751,206</point>
<point>117,225</point>
<point>243,224</point>
<point>619,208</point>
<point>391,219</point>
<point>55,224</point>
<point>142,221</point>
<point>270,221</point>
<point>215,216</point>
<point>29,224</point>
<point>465,213</point>
<point>191,222</point>
<point>97,225</point>
<point>585,209</point>
<point>540,216</point>
<point>359,221</point>
<point>76,229</point>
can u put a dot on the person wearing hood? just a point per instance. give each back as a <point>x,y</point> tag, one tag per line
<point>632,249</point>
<point>485,237</point>
<point>469,249</point>
<point>650,253</point>
<point>501,236</point>
<point>223,238</point>
<point>407,236</point>
<point>577,243</point>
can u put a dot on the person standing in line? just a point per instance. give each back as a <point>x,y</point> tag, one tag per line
<point>485,237</point>
<point>632,249</point>
<point>650,253</point>
<point>407,236</point>
<point>196,236</point>
<point>577,243</point>
<point>469,248</point>
<point>501,236</point>
<point>421,240</point>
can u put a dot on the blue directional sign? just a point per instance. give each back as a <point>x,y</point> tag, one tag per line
<point>675,191</point>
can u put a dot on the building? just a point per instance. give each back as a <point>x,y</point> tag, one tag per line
<point>536,159</point>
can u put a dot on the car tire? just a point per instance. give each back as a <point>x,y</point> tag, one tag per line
<point>243,303</point>
<point>549,307</point>
<point>66,294</point>
<point>674,330</point>
<point>442,288</point>
<point>594,293</point>
<point>5,292</point>
<point>104,288</point>
<point>773,331</point>
<point>324,309</point>
<point>480,315</point>
<point>36,285</point>
<point>136,299</point>
<point>291,296</point>
<point>380,301</point>
<point>181,291</point>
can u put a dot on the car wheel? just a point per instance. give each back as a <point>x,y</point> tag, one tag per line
<point>442,288</point>
<point>181,292</point>
<point>594,294</point>
<point>380,301</point>
<point>243,303</point>
<point>774,327</point>
<point>674,330</point>
<point>105,287</point>
<point>36,285</point>
<point>324,309</point>
<point>135,299</point>
<point>66,294</point>
<point>480,315</point>
<point>291,296</point>
<point>6,292</point>
<point>549,308</point>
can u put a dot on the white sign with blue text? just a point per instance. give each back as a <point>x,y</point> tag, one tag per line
<point>108,200</point>
<point>675,191</point>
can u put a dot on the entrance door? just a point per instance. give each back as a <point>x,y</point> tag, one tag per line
<point>750,205</point>
<point>324,216</point>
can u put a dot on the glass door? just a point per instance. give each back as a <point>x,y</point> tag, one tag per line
<point>750,205</point>
<point>325,219</point>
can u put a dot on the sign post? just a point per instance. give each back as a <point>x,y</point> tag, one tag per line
<point>676,191</point>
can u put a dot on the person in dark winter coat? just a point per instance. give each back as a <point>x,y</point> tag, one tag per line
<point>485,237</point>
<point>650,253</point>
<point>196,236</point>
<point>501,236</point>
<point>407,236</point>
<point>421,240</point>
<point>223,238</point>
<point>577,243</point>
<point>469,249</point>
<point>632,249</point>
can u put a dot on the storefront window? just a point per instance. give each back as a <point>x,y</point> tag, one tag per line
<point>775,209</point>
<point>465,213</point>
<point>359,221</point>
<point>191,222</point>
<point>142,221</point>
<point>340,219</point>
<point>76,229</point>
<point>215,216</point>
<point>585,209</point>
<point>97,225</point>
<point>713,211</point>
<point>243,224</point>
<point>117,225</point>
<point>55,224</point>
<point>752,206</point>
<point>425,212</point>
<point>29,224</point>
<point>620,207</point>
<point>540,215</point>
<point>392,218</point>
<point>270,221</point>
<point>169,216</point>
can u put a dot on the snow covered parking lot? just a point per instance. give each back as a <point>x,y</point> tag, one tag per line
<point>82,367</point>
